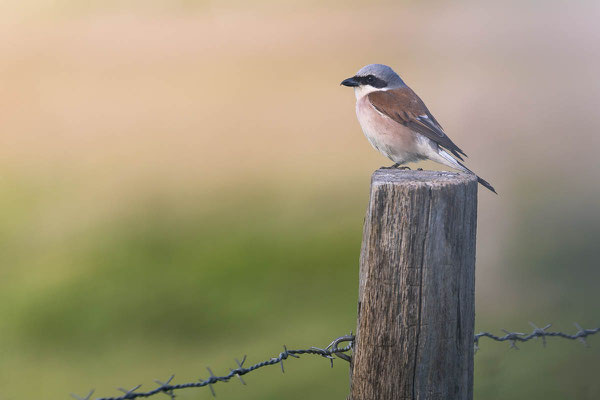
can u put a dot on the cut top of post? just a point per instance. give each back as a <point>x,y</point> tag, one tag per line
<point>433,178</point>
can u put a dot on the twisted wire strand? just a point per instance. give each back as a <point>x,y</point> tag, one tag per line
<point>169,389</point>
<point>514,337</point>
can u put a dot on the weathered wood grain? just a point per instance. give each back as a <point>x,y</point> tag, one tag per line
<point>416,306</point>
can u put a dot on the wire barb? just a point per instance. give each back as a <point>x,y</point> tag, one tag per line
<point>212,379</point>
<point>165,383</point>
<point>88,397</point>
<point>130,391</point>
<point>238,375</point>
<point>165,387</point>
<point>582,333</point>
<point>541,332</point>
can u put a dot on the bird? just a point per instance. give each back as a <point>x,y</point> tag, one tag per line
<point>398,124</point>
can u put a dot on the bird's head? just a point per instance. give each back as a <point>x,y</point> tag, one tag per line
<point>373,77</point>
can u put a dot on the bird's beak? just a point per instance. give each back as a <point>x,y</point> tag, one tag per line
<point>351,82</point>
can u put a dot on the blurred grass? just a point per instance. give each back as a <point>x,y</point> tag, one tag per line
<point>247,275</point>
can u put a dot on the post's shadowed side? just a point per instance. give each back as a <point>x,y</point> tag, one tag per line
<point>416,306</point>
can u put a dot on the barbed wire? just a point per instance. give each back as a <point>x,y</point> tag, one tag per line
<point>514,337</point>
<point>328,352</point>
<point>169,389</point>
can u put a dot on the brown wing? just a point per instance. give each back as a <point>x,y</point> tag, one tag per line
<point>406,108</point>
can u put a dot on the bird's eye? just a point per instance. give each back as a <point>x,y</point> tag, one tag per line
<point>370,79</point>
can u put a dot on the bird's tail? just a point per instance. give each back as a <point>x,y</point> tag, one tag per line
<point>461,166</point>
<point>485,184</point>
<point>482,181</point>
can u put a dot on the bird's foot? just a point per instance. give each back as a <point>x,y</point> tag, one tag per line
<point>396,166</point>
<point>419,169</point>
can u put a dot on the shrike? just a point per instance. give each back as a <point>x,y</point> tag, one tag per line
<point>398,124</point>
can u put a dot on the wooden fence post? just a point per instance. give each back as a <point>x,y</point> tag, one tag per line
<point>416,306</point>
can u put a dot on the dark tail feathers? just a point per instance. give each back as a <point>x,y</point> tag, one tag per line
<point>483,182</point>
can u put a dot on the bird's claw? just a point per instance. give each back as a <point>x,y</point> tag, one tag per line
<point>396,166</point>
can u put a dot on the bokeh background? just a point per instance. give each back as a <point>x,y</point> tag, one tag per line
<point>184,182</point>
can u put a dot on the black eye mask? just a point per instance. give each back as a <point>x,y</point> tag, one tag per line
<point>371,81</point>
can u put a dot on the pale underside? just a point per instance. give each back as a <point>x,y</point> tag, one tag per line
<point>395,141</point>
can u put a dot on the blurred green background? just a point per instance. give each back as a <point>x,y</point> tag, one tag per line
<point>184,182</point>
